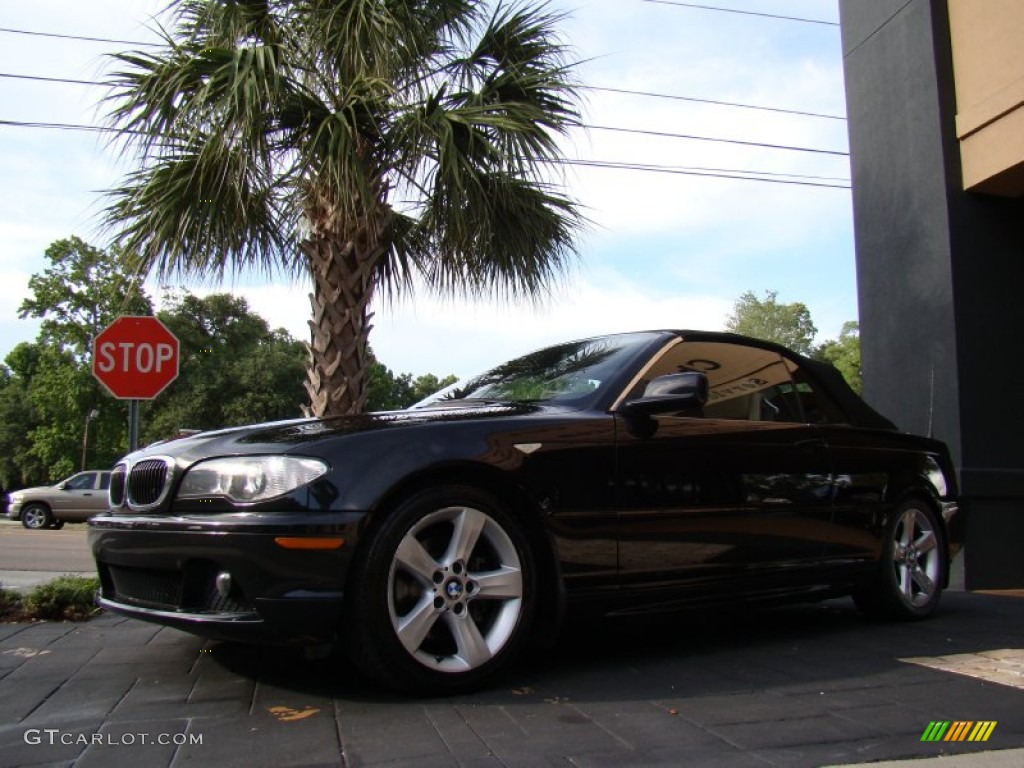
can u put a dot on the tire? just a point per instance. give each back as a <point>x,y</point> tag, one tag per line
<point>36,517</point>
<point>912,568</point>
<point>443,596</point>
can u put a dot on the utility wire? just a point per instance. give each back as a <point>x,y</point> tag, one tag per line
<point>50,79</point>
<point>33,33</point>
<point>698,172</point>
<point>745,13</point>
<point>653,95</point>
<point>695,168</point>
<point>648,94</point>
<point>55,126</point>
<point>711,138</point>
<point>724,173</point>
<point>762,145</point>
<point>627,91</point>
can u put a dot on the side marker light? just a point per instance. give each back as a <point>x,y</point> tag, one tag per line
<point>309,542</point>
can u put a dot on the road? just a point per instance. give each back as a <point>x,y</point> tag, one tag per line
<point>27,557</point>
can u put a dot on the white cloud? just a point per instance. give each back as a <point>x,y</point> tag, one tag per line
<point>432,335</point>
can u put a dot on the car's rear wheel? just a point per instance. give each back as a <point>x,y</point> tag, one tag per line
<point>445,594</point>
<point>36,516</point>
<point>912,569</point>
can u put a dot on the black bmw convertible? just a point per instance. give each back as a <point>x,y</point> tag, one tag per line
<point>630,473</point>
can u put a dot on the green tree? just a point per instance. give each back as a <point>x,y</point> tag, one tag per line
<point>844,354</point>
<point>18,465</point>
<point>233,369</point>
<point>44,392</point>
<point>81,291</point>
<point>786,324</point>
<point>428,384</point>
<point>391,392</point>
<point>370,145</point>
<point>61,393</point>
<point>386,391</point>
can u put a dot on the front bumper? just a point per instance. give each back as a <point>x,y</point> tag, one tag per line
<point>226,576</point>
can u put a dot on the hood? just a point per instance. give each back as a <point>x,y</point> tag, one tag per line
<point>288,436</point>
<point>35,489</point>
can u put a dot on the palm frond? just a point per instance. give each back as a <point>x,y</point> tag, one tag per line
<point>203,208</point>
<point>500,235</point>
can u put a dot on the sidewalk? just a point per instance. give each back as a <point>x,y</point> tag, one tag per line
<point>803,686</point>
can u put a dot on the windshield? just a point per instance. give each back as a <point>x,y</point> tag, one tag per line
<point>563,373</point>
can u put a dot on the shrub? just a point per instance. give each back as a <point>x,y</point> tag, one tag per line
<point>10,604</point>
<point>66,597</point>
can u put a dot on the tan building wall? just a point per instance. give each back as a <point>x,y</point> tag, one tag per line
<point>987,39</point>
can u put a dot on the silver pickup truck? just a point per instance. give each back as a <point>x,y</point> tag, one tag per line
<point>72,500</point>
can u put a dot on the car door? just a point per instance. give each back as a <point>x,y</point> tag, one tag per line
<point>736,497</point>
<point>869,463</point>
<point>96,500</point>
<point>72,497</point>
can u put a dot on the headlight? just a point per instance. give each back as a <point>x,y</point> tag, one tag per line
<point>936,477</point>
<point>248,479</point>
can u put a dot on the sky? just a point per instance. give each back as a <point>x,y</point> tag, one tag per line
<point>664,250</point>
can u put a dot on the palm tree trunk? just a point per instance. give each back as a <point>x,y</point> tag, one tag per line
<point>343,269</point>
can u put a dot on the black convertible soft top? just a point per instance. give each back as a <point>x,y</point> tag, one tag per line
<point>847,399</point>
<point>832,380</point>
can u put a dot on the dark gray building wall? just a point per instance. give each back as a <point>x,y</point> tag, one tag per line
<point>901,221</point>
<point>940,272</point>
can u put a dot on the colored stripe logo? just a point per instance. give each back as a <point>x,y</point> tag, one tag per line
<point>958,730</point>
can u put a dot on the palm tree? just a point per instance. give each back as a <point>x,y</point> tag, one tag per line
<point>371,144</point>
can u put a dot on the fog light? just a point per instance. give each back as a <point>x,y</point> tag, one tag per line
<point>223,582</point>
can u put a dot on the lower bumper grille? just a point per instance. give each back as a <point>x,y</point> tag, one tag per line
<point>192,590</point>
<point>147,588</point>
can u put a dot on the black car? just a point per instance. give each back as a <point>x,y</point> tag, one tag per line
<point>622,474</point>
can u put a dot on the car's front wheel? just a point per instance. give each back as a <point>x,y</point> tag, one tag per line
<point>36,516</point>
<point>912,569</point>
<point>444,595</point>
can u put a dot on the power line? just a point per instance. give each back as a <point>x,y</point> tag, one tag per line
<point>34,33</point>
<point>653,95</point>
<point>762,145</point>
<point>738,175</point>
<point>55,126</point>
<point>697,168</point>
<point>50,79</point>
<point>725,173</point>
<point>745,13</point>
<point>647,94</point>
<point>694,137</point>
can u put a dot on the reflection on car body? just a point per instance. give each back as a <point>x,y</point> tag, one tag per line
<point>619,474</point>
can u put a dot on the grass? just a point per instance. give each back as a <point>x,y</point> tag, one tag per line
<point>66,598</point>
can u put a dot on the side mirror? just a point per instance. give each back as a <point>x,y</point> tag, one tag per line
<point>671,392</point>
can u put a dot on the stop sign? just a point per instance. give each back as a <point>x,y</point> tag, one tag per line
<point>135,357</point>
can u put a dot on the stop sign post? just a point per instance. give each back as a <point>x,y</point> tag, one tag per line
<point>135,358</point>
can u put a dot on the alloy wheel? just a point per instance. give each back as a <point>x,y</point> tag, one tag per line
<point>455,589</point>
<point>916,557</point>
<point>34,517</point>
